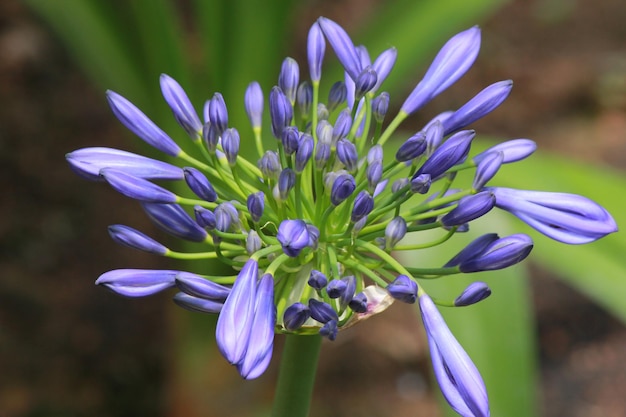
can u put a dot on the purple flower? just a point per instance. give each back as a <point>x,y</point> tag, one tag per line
<point>343,186</point>
<point>295,316</point>
<point>513,150</point>
<point>474,293</point>
<point>197,304</point>
<point>137,282</point>
<point>256,205</point>
<point>383,65</point>
<point>394,232</point>
<point>470,207</point>
<point>293,236</point>
<point>183,110</point>
<point>304,98</point>
<point>304,152</point>
<point>475,248</point>
<point>137,188</point>
<point>127,236</point>
<point>316,46</point>
<point>567,218</point>
<point>218,113</point>
<point>452,152</point>
<point>205,217</point>
<point>347,154</point>
<point>290,139</point>
<point>342,45</point>
<point>337,95</point>
<point>365,82</point>
<point>498,254</point>
<point>321,311</point>
<point>404,289</point>
<point>174,220</point>
<point>412,148</point>
<point>459,380</point>
<point>199,184</point>
<point>358,304</point>
<point>380,105</point>
<point>317,279</point>
<point>336,288</point>
<point>200,287</point>
<point>281,111</point>
<point>288,78</point>
<point>363,205</point>
<point>230,143</point>
<point>253,102</point>
<point>487,168</point>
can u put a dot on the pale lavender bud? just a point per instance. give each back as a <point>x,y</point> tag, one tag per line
<point>138,123</point>
<point>281,111</point>
<point>286,182</point>
<point>269,164</point>
<point>88,162</point>
<point>200,184</point>
<point>380,187</point>
<point>342,45</point>
<point>226,215</point>
<point>365,82</point>
<point>290,139</point>
<point>337,95</point>
<point>567,218</point>
<point>201,287</point>
<point>336,288</point>
<point>295,316</point>
<point>230,144</point>
<point>403,289</point>
<point>358,304</point>
<point>329,330</point>
<point>137,188</point>
<point>486,169</point>
<point>253,101</point>
<point>394,232</point>
<point>380,106</point>
<point>321,311</point>
<point>304,152</point>
<point>288,78</point>
<point>474,293</point>
<point>470,208</point>
<point>421,184</point>
<point>137,282</point>
<point>375,154</point>
<point>399,184</point>
<point>304,99</point>
<point>205,217</point>
<point>342,125</point>
<point>452,61</point>
<point>127,236</point>
<point>218,113</point>
<point>253,242</point>
<point>174,220</point>
<point>412,148</point>
<point>293,236</point>
<point>181,106</point>
<point>513,150</point>
<point>452,152</point>
<point>475,248</point>
<point>210,136</point>
<point>316,46</point>
<point>343,186</point>
<point>317,279</point>
<point>383,65</point>
<point>197,304</point>
<point>363,205</point>
<point>373,174</point>
<point>499,254</point>
<point>347,154</point>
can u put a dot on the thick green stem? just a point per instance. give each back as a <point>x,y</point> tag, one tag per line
<point>297,376</point>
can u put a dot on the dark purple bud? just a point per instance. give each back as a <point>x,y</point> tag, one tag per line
<point>347,295</point>
<point>256,205</point>
<point>403,289</point>
<point>218,114</point>
<point>374,174</point>
<point>394,232</point>
<point>399,184</point>
<point>269,165</point>
<point>183,110</point>
<point>364,83</point>
<point>347,154</point>
<point>174,220</point>
<point>205,217</point>
<point>358,304</point>
<point>304,99</point>
<point>137,282</point>
<point>141,125</point>
<point>421,184</point>
<point>342,125</point>
<point>293,236</point>
<point>342,45</point>
<point>200,184</point>
<point>322,312</point>
<point>304,152</point>
<point>88,162</point>
<point>137,188</point>
<point>295,316</point>
<point>343,187</point>
<point>337,95</point>
<point>380,106</point>
<point>499,254</point>
<point>475,248</point>
<point>336,288</point>
<point>513,150</point>
<point>210,136</point>
<point>127,236</point>
<point>469,208</point>
<point>226,215</point>
<point>289,78</point>
<point>253,242</point>
<point>383,65</point>
<point>452,152</point>
<point>286,181</point>
<point>230,144</point>
<point>363,205</point>
<point>474,293</point>
<point>281,111</point>
<point>196,304</point>
<point>201,287</point>
<point>317,279</point>
<point>412,148</point>
<point>316,46</point>
<point>486,169</point>
<point>329,330</point>
<point>290,139</point>
<point>253,101</point>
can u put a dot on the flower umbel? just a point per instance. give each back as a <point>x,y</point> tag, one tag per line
<point>309,225</point>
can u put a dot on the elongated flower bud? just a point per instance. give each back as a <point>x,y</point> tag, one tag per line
<point>363,205</point>
<point>380,105</point>
<point>289,78</point>
<point>290,139</point>
<point>322,312</point>
<point>347,154</point>
<point>137,282</point>
<point>198,286</point>
<point>474,293</point>
<point>304,99</point>
<point>304,152</point>
<point>337,95</point>
<point>295,316</point>
<point>475,248</point>
<point>218,114</point>
<point>343,186</point>
<point>470,207</point>
<point>374,173</point>
<point>137,188</point>
<point>253,101</point>
<point>230,143</point>
<point>499,254</point>
<point>412,148</point>
<point>197,304</point>
<point>281,111</point>
<point>512,150</point>
<point>365,82</point>
<point>487,169</point>
<point>181,106</point>
<point>200,184</point>
<point>348,294</point>
<point>253,242</point>
<point>383,65</point>
<point>286,181</point>
<point>269,165</point>
<point>316,46</point>
<point>205,217</point>
<point>342,45</point>
<point>342,125</point>
<point>256,205</point>
<point>174,220</point>
<point>127,236</point>
<point>403,289</point>
<point>358,304</point>
<point>394,232</point>
<point>293,236</point>
<point>452,152</point>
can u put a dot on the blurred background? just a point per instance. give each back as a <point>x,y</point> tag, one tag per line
<point>68,348</point>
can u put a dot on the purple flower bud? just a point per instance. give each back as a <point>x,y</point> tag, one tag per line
<point>127,236</point>
<point>196,304</point>
<point>199,184</point>
<point>342,45</point>
<point>253,242</point>
<point>304,99</point>
<point>286,181</point>
<point>479,106</point>
<point>452,61</point>
<point>343,186</point>
<point>88,162</point>
<point>288,78</point>
<point>269,165</point>
<point>336,288</point>
<point>474,293</point>
<point>404,289</point>
<point>434,136</point>
<point>317,280</point>
<point>329,330</point>
<point>567,218</point>
<point>394,232</point>
<point>137,188</point>
<point>325,132</point>
<point>499,254</point>
<point>486,169</point>
<point>452,152</point>
<point>256,205</point>
<point>304,152</point>
<point>475,248</point>
<point>201,287</point>
<point>293,236</point>
<point>205,217</point>
<point>383,65</point>
<point>347,154</point>
<point>380,187</point>
<point>234,323</point>
<point>337,95</point>
<point>459,380</point>
<point>295,316</point>
<point>412,148</point>
<point>141,125</point>
<point>210,136</point>
<point>470,207</point>
<point>253,101</point>
<point>314,235</point>
<point>342,125</point>
<point>346,296</point>
<point>261,340</point>
<point>174,220</point>
<point>322,154</point>
<point>137,282</point>
<point>363,205</point>
<point>374,174</point>
<point>399,184</point>
<point>322,312</point>
<point>226,215</point>
<point>183,110</point>
<point>230,143</point>
<point>358,304</point>
<point>421,184</point>
<point>380,106</point>
<point>359,225</point>
<point>290,139</point>
<point>513,150</point>
<point>316,46</point>
<point>281,111</point>
<point>364,83</point>
<point>218,113</point>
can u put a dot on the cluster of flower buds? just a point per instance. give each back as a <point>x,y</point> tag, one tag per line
<point>310,225</point>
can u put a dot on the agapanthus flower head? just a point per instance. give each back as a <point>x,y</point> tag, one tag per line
<point>310,223</point>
